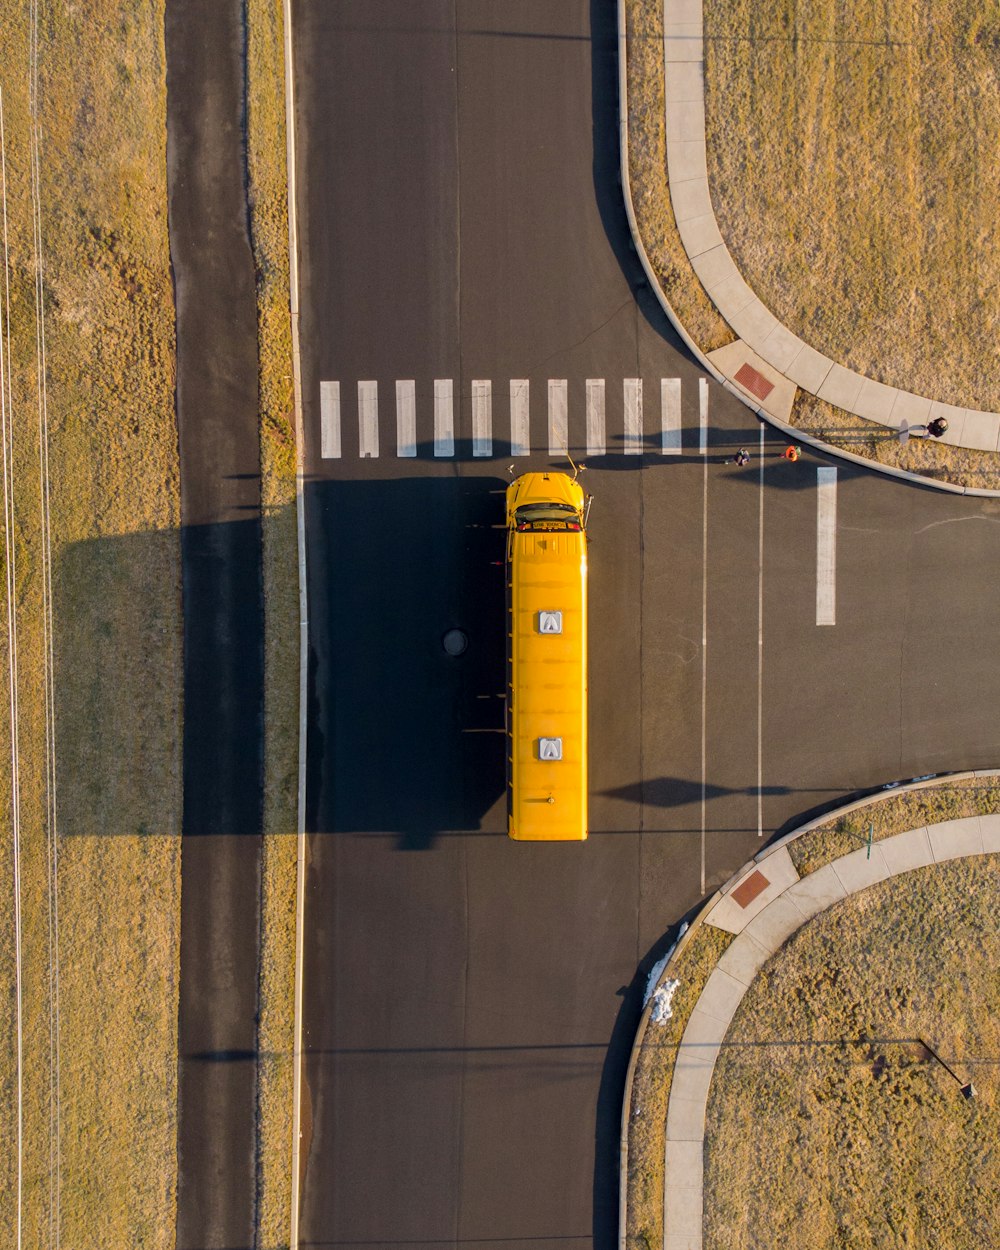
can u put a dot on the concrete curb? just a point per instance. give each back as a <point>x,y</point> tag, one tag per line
<point>790,431</point>
<point>691,1240</point>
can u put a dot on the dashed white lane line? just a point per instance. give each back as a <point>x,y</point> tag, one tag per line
<point>558,417</point>
<point>520,436</point>
<point>482,417</point>
<point>670,416</point>
<point>368,420</point>
<point>596,436</point>
<point>444,417</point>
<point>826,546</point>
<point>406,418</point>
<point>329,415</point>
<point>632,393</point>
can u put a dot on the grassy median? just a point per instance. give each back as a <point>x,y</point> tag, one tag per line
<point>99,900</point>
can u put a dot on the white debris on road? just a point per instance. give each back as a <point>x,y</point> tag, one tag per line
<point>657,970</point>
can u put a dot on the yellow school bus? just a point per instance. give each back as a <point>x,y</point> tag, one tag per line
<point>546,659</point>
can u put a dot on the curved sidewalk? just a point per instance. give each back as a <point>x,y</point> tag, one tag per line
<point>764,905</point>
<point>767,363</point>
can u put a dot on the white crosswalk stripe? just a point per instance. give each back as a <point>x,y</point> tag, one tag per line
<point>632,393</point>
<point>444,417</point>
<point>596,437</point>
<point>406,418</point>
<point>520,438</point>
<point>558,417</point>
<point>329,415</point>
<point>556,435</point>
<point>367,420</point>
<point>482,417</point>
<point>670,416</point>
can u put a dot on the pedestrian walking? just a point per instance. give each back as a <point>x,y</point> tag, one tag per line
<point>937,427</point>
<point>742,457</point>
<point>793,453</point>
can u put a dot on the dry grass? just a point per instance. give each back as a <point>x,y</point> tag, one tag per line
<point>884,271</point>
<point>100,1139</point>
<point>648,178</point>
<point>651,1081</point>
<point>269,232</point>
<point>910,809</point>
<point>864,140</point>
<point>828,1125</point>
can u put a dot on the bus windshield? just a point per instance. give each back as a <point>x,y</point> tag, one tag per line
<point>533,513</point>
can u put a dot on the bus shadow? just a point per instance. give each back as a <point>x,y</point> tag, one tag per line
<point>406,660</point>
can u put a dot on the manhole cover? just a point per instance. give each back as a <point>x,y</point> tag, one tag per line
<point>455,641</point>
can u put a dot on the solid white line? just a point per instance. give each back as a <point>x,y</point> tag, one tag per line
<point>760,635</point>
<point>704,645</point>
<point>826,546</point>
<point>632,390</point>
<point>444,417</point>
<point>406,418</point>
<point>558,417</point>
<point>482,417</point>
<point>368,420</point>
<point>520,440</point>
<point>670,416</point>
<point>300,538</point>
<point>702,416</point>
<point>329,420</point>
<point>596,436</point>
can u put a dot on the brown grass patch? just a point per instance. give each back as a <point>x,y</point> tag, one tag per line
<point>828,1125</point>
<point>851,160</point>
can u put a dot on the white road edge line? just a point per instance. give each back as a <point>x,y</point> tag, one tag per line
<point>826,545</point>
<point>300,529</point>
<point>760,635</point>
<point>703,447</point>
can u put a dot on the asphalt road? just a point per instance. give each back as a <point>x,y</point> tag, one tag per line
<point>223,626</point>
<point>470,1003</point>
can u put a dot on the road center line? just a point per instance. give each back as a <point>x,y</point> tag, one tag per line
<point>826,546</point>
<point>702,446</point>
<point>760,634</point>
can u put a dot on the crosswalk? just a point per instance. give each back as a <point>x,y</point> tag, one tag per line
<point>501,418</point>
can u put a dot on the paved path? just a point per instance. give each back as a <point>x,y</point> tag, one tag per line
<point>767,363</point>
<point>764,905</point>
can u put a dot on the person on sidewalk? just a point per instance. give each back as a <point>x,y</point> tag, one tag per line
<point>793,453</point>
<point>742,457</point>
<point>937,427</point>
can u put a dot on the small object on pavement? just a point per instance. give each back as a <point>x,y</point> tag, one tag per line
<point>793,453</point>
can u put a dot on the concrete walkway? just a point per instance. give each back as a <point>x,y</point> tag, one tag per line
<point>768,362</point>
<point>764,905</point>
